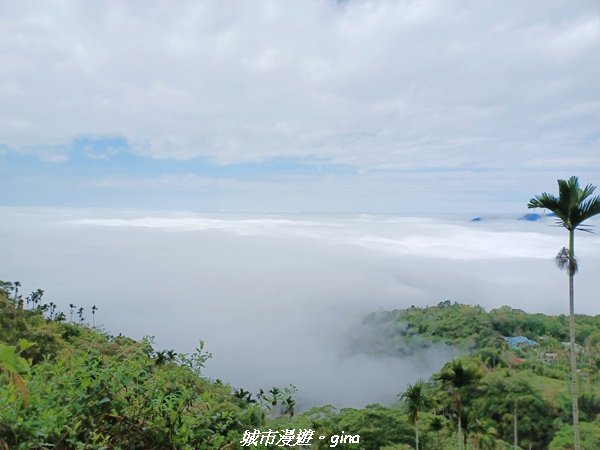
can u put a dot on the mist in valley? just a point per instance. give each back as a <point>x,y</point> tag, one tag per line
<point>279,298</point>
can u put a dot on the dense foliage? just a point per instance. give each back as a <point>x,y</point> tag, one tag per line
<point>526,384</point>
<point>67,385</point>
<point>85,389</point>
<point>469,328</point>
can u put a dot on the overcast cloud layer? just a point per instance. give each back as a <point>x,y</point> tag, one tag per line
<point>277,298</point>
<point>359,98</point>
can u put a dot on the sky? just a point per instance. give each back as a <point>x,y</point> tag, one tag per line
<point>355,106</point>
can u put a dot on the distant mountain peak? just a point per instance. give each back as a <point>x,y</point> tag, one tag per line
<point>531,217</point>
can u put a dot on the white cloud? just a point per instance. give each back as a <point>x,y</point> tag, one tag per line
<point>276,297</point>
<point>446,239</point>
<point>374,84</point>
<point>187,180</point>
<point>367,190</point>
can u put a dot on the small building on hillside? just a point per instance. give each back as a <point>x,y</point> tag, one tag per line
<point>516,362</point>
<point>520,341</point>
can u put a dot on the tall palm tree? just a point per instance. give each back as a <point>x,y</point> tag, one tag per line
<point>94,309</point>
<point>572,207</point>
<point>171,354</point>
<point>16,286</point>
<point>516,390</point>
<point>458,377</point>
<point>35,298</point>
<point>244,396</point>
<point>415,400</point>
<point>437,425</point>
<point>289,406</point>
<point>484,434</point>
<point>52,307</point>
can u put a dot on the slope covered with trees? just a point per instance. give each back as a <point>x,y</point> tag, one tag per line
<point>81,388</point>
<point>67,385</point>
<point>512,378</point>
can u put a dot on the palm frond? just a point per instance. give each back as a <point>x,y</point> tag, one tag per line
<point>586,230</point>
<point>573,204</point>
<point>567,193</point>
<point>545,200</point>
<point>551,203</point>
<point>586,192</point>
<point>589,207</point>
<point>458,374</point>
<point>415,399</point>
<point>561,223</point>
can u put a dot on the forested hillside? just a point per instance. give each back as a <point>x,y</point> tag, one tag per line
<point>67,385</point>
<point>514,369</point>
<point>471,328</point>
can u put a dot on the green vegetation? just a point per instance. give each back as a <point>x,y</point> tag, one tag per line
<point>460,381</point>
<point>66,385</point>
<point>495,393</point>
<point>415,400</point>
<point>470,328</point>
<point>573,206</point>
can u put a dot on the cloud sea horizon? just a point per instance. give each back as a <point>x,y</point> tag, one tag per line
<point>277,296</point>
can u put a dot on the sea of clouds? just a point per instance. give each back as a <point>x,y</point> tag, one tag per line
<point>277,297</point>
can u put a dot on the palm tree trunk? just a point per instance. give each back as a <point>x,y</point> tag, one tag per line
<point>460,440</point>
<point>574,395</point>
<point>515,426</point>
<point>417,433</point>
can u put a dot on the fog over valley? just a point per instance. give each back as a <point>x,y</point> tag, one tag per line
<point>279,298</point>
